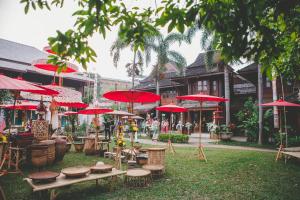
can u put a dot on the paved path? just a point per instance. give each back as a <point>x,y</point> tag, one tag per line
<point>209,145</point>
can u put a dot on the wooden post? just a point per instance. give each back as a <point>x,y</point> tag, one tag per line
<point>170,146</point>
<point>201,154</point>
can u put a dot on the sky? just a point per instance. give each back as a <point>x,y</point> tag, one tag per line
<point>35,27</point>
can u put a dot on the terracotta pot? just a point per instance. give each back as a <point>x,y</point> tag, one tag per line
<point>60,149</point>
<point>78,147</point>
<point>68,147</point>
<point>226,136</point>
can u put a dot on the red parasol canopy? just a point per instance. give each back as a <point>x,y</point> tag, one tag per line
<point>281,103</point>
<point>94,111</point>
<point>48,50</point>
<point>132,96</point>
<point>43,64</point>
<point>133,117</point>
<point>7,83</point>
<point>72,104</point>
<point>120,112</point>
<point>44,91</point>
<point>202,97</point>
<point>24,105</point>
<point>171,108</point>
<point>67,113</point>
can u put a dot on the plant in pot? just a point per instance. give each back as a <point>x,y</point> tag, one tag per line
<point>214,130</point>
<point>226,132</point>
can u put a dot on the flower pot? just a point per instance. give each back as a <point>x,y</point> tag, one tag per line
<point>226,136</point>
<point>78,147</point>
<point>69,145</point>
<point>214,136</point>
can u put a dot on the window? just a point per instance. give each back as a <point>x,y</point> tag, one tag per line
<point>214,88</point>
<point>202,86</point>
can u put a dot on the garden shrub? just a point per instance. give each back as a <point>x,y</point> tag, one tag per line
<point>248,120</point>
<point>175,138</point>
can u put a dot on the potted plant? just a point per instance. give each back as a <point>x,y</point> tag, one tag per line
<point>226,132</point>
<point>214,130</point>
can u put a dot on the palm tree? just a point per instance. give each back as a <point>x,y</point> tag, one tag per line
<point>136,66</point>
<point>162,47</point>
<point>208,42</point>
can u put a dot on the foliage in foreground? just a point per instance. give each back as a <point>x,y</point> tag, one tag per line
<point>264,31</point>
<point>228,174</point>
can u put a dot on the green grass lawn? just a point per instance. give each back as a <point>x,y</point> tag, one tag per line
<point>228,174</point>
<point>246,144</point>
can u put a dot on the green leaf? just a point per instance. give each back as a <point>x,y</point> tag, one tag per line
<point>27,8</point>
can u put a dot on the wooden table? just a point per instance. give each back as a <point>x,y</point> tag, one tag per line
<point>138,178</point>
<point>62,181</point>
<point>156,170</point>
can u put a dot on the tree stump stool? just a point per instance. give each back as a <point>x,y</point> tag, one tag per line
<point>157,171</point>
<point>138,178</point>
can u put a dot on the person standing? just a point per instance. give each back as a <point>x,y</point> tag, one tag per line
<point>107,129</point>
<point>155,128</point>
<point>165,126</point>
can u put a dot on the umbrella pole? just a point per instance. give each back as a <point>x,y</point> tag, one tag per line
<point>200,148</point>
<point>13,113</point>
<point>170,145</point>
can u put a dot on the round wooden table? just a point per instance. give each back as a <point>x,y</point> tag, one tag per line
<point>157,171</point>
<point>138,178</point>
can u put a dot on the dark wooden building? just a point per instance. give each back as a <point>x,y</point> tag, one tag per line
<point>290,88</point>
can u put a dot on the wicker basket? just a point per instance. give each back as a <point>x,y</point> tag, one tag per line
<point>39,155</point>
<point>156,156</point>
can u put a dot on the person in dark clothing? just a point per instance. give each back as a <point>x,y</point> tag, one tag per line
<point>107,129</point>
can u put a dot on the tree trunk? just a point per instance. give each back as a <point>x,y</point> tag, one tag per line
<point>260,101</point>
<point>275,97</point>
<point>157,87</point>
<point>133,69</point>
<point>227,94</point>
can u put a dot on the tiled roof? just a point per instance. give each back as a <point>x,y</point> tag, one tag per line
<point>248,68</point>
<point>149,82</point>
<point>199,66</point>
<point>18,57</point>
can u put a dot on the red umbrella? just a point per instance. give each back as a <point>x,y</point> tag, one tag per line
<point>132,96</point>
<point>94,111</point>
<point>171,108</point>
<point>42,90</point>
<point>201,97</point>
<point>282,103</point>
<point>48,50</point>
<point>72,104</point>
<point>7,83</point>
<point>67,113</point>
<point>24,105</point>
<point>43,64</point>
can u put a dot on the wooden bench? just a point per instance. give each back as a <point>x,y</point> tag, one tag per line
<point>292,154</point>
<point>62,181</point>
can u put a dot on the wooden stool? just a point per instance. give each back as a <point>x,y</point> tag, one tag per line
<point>16,155</point>
<point>157,171</point>
<point>138,178</point>
<point>107,154</point>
